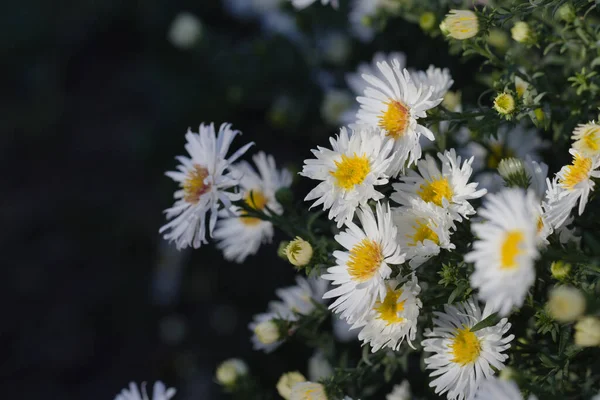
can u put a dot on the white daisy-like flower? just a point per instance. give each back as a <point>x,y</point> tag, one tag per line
<point>294,301</point>
<point>505,251</point>
<point>448,188</point>
<point>518,143</point>
<point>572,183</point>
<point>355,81</point>
<point>587,139</point>
<point>423,229</point>
<point>305,3</point>
<point>349,172</point>
<point>400,392</point>
<point>363,267</point>
<point>395,318</point>
<point>205,179</point>
<point>395,104</point>
<point>439,79</point>
<point>463,358</point>
<point>497,389</point>
<point>159,392</point>
<point>238,234</point>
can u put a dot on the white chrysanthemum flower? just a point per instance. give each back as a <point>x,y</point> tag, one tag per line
<point>185,31</point>
<point>394,318</point>
<point>498,389</point>
<point>349,172</point>
<point>159,392</point>
<point>505,251</point>
<point>587,139</point>
<point>423,229</point>
<point>305,3</point>
<point>463,358</point>
<point>572,183</point>
<point>395,104</point>
<point>287,381</point>
<point>400,392</point>
<point>362,269</point>
<point>294,301</point>
<point>448,188</point>
<point>518,143</point>
<point>308,391</point>
<point>439,79</point>
<point>238,234</point>
<point>205,180</point>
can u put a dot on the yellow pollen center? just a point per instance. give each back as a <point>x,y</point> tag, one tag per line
<point>465,347</point>
<point>395,119</point>
<point>256,200</point>
<point>540,224</point>
<point>435,191</point>
<point>590,140</point>
<point>365,259</point>
<point>422,231</point>
<point>577,172</point>
<point>351,171</point>
<point>510,249</point>
<point>497,154</point>
<point>390,307</point>
<point>194,186</point>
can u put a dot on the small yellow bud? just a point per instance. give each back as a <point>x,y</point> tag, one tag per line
<point>230,370</point>
<point>267,332</point>
<point>287,382</point>
<point>565,304</point>
<point>504,103</point>
<point>452,100</point>
<point>539,115</point>
<point>460,24</point>
<point>560,270</point>
<point>566,12</point>
<point>587,332</point>
<point>521,32</point>
<point>427,21</point>
<point>299,252</point>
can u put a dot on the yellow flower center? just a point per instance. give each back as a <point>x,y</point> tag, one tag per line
<point>497,154</point>
<point>504,103</point>
<point>395,119</point>
<point>256,200</point>
<point>365,259</point>
<point>351,171</point>
<point>422,231</point>
<point>390,307</point>
<point>589,139</point>
<point>435,191</point>
<point>540,224</point>
<point>510,249</point>
<point>577,172</point>
<point>465,347</point>
<point>194,186</point>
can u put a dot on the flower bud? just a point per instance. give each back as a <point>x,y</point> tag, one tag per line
<point>504,103</point>
<point>587,332</point>
<point>299,252</point>
<point>287,382</point>
<point>566,13</point>
<point>427,21</point>
<point>281,249</point>
<point>185,31</point>
<point>460,24</point>
<point>521,32</point>
<point>565,304</point>
<point>452,100</point>
<point>308,390</point>
<point>513,172</point>
<point>229,371</point>
<point>560,270</point>
<point>267,332</point>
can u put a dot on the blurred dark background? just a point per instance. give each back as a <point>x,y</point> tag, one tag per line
<point>96,101</point>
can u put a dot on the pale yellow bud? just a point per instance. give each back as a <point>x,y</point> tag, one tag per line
<point>521,32</point>
<point>565,304</point>
<point>427,21</point>
<point>460,24</point>
<point>299,252</point>
<point>504,103</point>
<point>452,100</point>
<point>287,382</point>
<point>560,270</point>
<point>308,391</point>
<point>587,332</point>
<point>267,332</point>
<point>229,371</point>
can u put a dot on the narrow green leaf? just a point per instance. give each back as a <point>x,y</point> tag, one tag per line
<point>489,321</point>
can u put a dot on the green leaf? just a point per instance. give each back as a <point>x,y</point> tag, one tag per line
<point>489,321</point>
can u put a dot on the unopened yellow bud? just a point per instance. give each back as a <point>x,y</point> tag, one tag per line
<point>565,304</point>
<point>267,332</point>
<point>560,270</point>
<point>460,24</point>
<point>229,371</point>
<point>427,21</point>
<point>299,252</point>
<point>504,103</point>
<point>287,382</point>
<point>522,33</point>
<point>587,332</point>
